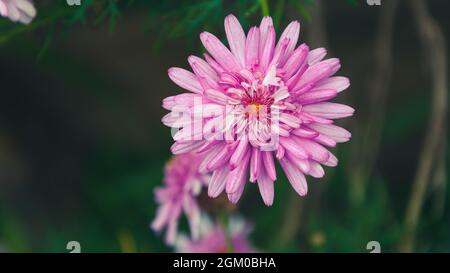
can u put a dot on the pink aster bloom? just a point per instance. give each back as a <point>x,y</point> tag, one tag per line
<point>182,184</point>
<point>258,100</point>
<point>215,239</point>
<point>18,10</point>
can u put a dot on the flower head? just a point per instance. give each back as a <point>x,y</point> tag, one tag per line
<point>258,100</point>
<point>18,10</point>
<point>214,238</point>
<point>182,183</point>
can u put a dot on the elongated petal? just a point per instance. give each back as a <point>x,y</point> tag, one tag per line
<point>314,150</point>
<point>325,140</point>
<point>214,65</point>
<point>295,61</point>
<point>315,96</point>
<point>337,83</point>
<point>266,23</point>
<point>268,48</point>
<point>269,165</point>
<point>329,110</point>
<point>239,153</point>
<point>339,134</point>
<point>217,182</point>
<point>185,79</point>
<point>222,157</point>
<point>332,161</point>
<point>203,168</point>
<point>193,214</point>
<point>266,188</point>
<point>235,178</point>
<point>316,55</point>
<point>252,48</point>
<point>304,132</point>
<point>162,216</point>
<point>236,38</point>
<point>203,68</point>
<point>315,169</point>
<point>292,146</point>
<point>295,177</point>
<point>220,52</point>
<point>255,164</point>
<point>217,96</point>
<point>291,32</point>
<point>181,147</point>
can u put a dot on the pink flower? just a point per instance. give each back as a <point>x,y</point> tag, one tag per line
<point>18,10</point>
<point>215,239</point>
<point>258,100</point>
<point>182,183</point>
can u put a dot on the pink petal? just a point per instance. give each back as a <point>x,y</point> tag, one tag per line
<point>337,83</point>
<point>255,164</point>
<point>217,182</point>
<point>266,23</point>
<point>302,164</point>
<point>203,68</point>
<point>173,223</point>
<point>214,65</point>
<point>220,52</point>
<point>185,79</point>
<point>295,177</point>
<point>252,48</point>
<point>295,61</point>
<point>221,158</point>
<point>332,161</point>
<point>279,52</point>
<point>292,146</point>
<point>315,169</point>
<point>280,94</point>
<point>181,148</point>
<point>269,165</point>
<point>239,153</point>
<point>318,95</point>
<point>314,150</point>
<point>339,134</point>
<point>162,216</point>
<point>329,110</point>
<point>3,9</point>
<point>236,38</point>
<point>290,120</point>
<point>266,188</point>
<point>217,96</point>
<point>235,196</point>
<point>325,140</point>
<point>316,55</point>
<point>280,152</point>
<point>237,176</point>
<point>304,132</point>
<point>293,80</point>
<point>268,48</point>
<point>212,153</point>
<point>192,212</point>
<point>205,80</point>
<point>313,75</point>
<point>291,32</point>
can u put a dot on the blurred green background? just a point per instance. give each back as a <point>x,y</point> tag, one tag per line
<point>82,145</point>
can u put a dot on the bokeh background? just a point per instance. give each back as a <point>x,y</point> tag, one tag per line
<point>82,146</point>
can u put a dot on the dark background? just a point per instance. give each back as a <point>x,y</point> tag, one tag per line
<point>82,145</point>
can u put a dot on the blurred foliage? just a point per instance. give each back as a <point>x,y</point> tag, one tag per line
<point>117,203</point>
